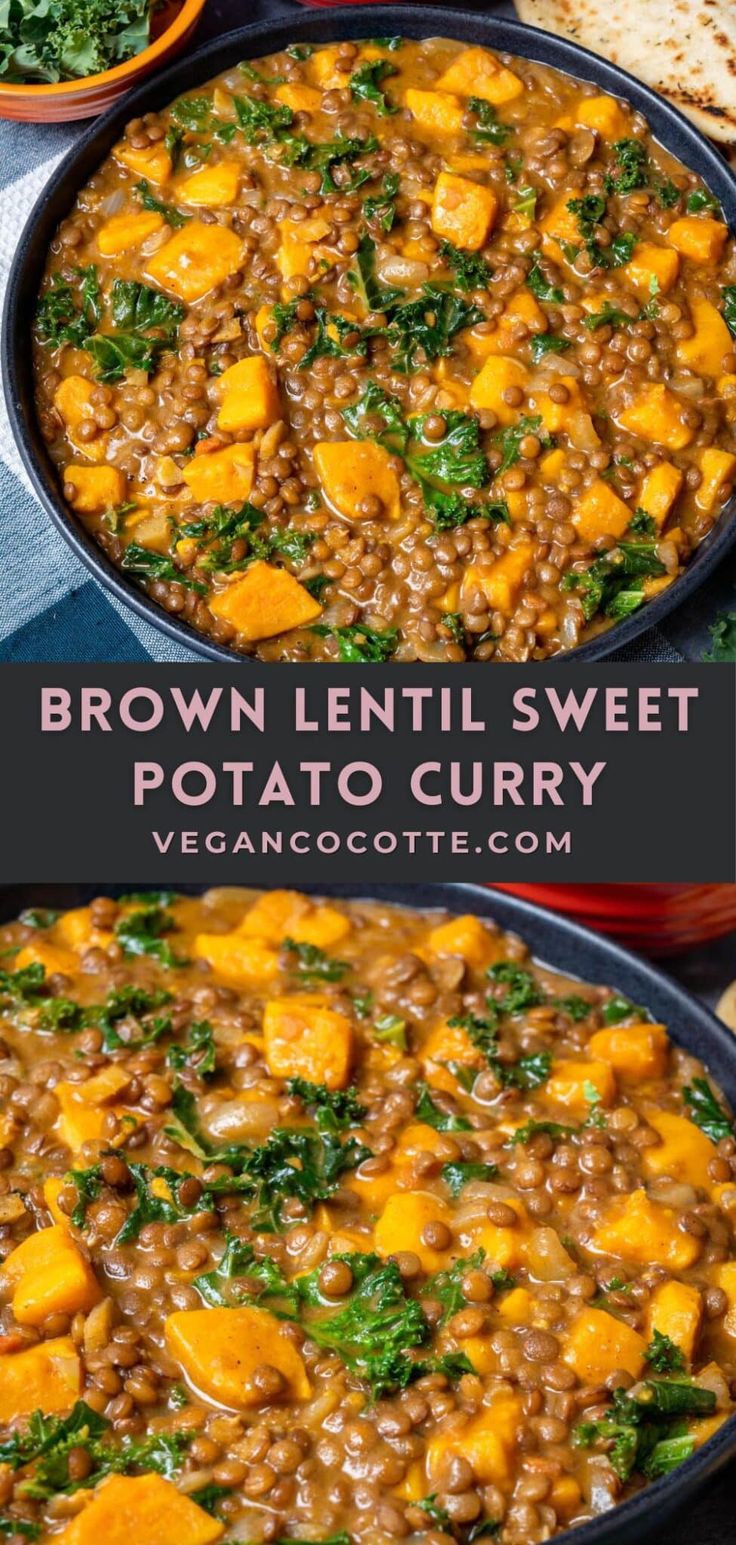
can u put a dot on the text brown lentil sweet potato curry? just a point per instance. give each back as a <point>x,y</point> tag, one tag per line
<point>393,350</point>
<point>343,1223</point>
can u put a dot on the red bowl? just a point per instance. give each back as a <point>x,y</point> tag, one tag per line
<point>658,919</point>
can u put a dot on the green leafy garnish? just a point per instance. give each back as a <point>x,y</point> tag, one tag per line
<point>390,1030</point>
<point>509,440</point>
<point>146,322</point>
<point>141,933</point>
<point>530,1129</point>
<point>366,82</point>
<point>423,329</point>
<point>363,278</point>
<point>69,39</point>
<point>359,644</point>
<point>68,313</point>
<point>606,586</point>
<point>643,524</point>
<point>313,965</point>
<point>458,1173</point>
<point>39,917</point>
<point>433,1115</point>
<point>701,199</point>
<point>645,1433</point>
<point>522,989</point>
<point>608,316</point>
<point>48,1441</point>
<point>138,308</point>
<point>723,639</point>
<point>540,287</point>
<point>381,207</point>
<point>471,271</point>
<point>707,1112</point>
<point>636,170</point>
<point>618,1009</point>
<point>334,1110</point>
<point>663,1354</point>
<point>486,129</point>
<point>197,1052</point>
<point>728,292</point>
<point>547,343</point>
<point>172,216</point>
<point>446,1286</point>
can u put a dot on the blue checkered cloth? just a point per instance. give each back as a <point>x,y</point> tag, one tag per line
<point>50,608</point>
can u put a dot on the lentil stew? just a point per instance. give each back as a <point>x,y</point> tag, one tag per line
<point>393,350</point>
<point>344,1222</point>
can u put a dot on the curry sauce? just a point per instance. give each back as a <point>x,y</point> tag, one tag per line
<point>396,350</point>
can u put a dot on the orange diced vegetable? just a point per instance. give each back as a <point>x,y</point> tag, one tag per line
<point>45,1377</point>
<point>95,489</point>
<point>501,582</point>
<point>212,186</point>
<point>644,1232</point>
<point>250,396</point>
<point>467,937</point>
<point>598,1345</point>
<point>124,231</point>
<point>145,1508</point>
<point>656,414</point>
<point>305,1038</point>
<point>150,161</point>
<point>463,212</point>
<point>264,601</point>
<point>222,477</point>
<point>659,490</point>
<point>600,512</point>
<point>634,1051</point>
<point>351,472</point>
<point>196,259</point>
<point>478,73</point>
<point>581,1084</point>
<point>499,374</point>
<point>711,341</point>
<point>237,960</point>
<point>220,1350</point>
<point>436,111</point>
<point>676,1310</point>
<point>698,237</point>
<point>402,1223</point>
<point>717,469</point>
<point>49,1275</point>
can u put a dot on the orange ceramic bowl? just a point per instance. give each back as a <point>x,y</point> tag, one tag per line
<point>85,98</point>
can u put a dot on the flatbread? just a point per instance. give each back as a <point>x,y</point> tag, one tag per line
<point>685,49</point>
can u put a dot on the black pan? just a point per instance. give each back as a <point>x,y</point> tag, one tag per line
<point>575,951</point>
<point>668,125</point>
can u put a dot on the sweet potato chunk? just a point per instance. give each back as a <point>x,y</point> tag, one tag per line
<point>445,1044</point>
<point>605,115</point>
<point>352,472</point>
<point>704,353</point>
<point>82,1107</point>
<point>560,223</point>
<point>300,241</point>
<point>402,1223</point>
<point>499,373</point>
<point>283,915</point>
<point>265,601</point>
<point>635,1052</point>
<point>250,396</point>
<point>47,955</point>
<point>488,1442</point>
<point>578,1083</point>
<point>600,512</point>
<point>516,1307</point>
<point>656,415</point>
<point>463,212</point>
<point>195,259</point>
<point>212,186</point>
<point>95,489</point>
<point>438,112</point>
<point>49,1275</point>
<point>220,1350</point>
<point>76,930</point>
<point>477,73</point>
<point>659,490</point>
<point>684,1152</point>
<point>652,269</point>
<point>222,477</point>
<point>698,237</point>
<point>305,1038</point>
<point>504,1245</point>
<point>145,1508</point>
<point>151,161</point>
<point>301,99</point>
<point>675,1310</point>
<point>599,1345</point>
<point>122,232</point>
<point>239,961</point>
<point>718,469</point>
<point>46,1377</point>
<point>644,1232</point>
<point>501,582</point>
<point>467,937</point>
